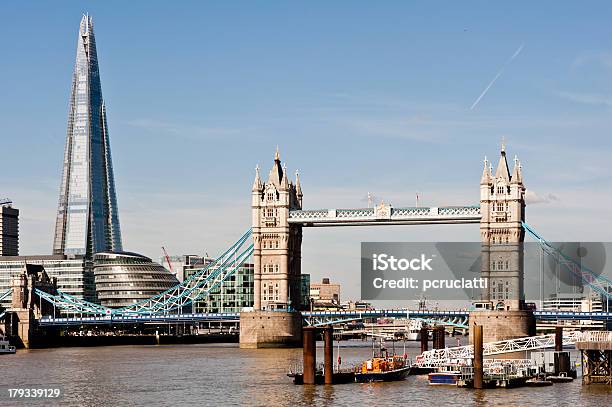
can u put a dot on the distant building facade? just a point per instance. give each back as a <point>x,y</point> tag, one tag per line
<point>305,291</point>
<point>74,275</point>
<point>325,294</point>
<point>235,293</point>
<point>573,303</point>
<point>9,231</point>
<point>124,278</point>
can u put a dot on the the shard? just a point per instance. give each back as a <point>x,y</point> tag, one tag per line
<point>87,218</point>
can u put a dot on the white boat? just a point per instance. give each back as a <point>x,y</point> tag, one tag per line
<point>5,346</point>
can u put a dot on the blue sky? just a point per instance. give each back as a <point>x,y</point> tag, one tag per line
<point>359,96</point>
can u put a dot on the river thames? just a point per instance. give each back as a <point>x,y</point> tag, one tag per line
<point>223,374</point>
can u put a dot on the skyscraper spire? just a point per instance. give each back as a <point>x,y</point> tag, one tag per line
<point>87,217</point>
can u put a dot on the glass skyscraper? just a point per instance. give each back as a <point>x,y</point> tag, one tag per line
<point>87,218</point>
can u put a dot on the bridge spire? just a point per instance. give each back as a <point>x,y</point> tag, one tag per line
<point>502,167</point>
<point>298,186</point>
<point>517,176</point>
<point>276,173</point>
<point>285,179</point>
<point>486,174</point>
<point>257,185</point>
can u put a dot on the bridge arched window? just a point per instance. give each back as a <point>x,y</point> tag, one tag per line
<point>270,196</point>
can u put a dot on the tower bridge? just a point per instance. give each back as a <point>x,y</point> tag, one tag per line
<point>274,244</point>
<point>278,219</point>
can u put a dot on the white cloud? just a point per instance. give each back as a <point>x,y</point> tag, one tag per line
<point>603,58</point>
<point>532,198</point>
<point>587,98</point>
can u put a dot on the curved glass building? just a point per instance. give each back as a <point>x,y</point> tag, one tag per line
<point>123,278</point>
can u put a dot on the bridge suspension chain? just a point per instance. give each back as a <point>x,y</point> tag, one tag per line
<point>197,286</point>
<point>597,282</point>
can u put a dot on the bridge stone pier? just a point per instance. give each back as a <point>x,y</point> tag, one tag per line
<point>21,320</point>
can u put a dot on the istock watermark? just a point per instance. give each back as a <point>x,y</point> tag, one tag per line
<point>472,271</point>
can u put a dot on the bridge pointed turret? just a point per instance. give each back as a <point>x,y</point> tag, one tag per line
<point>502,167</point>
<point>298,185</point>
<point>285,180</point>
<point>298,188</point>
<point>517,176</point>
<point>486,173</point>
<point>276,172</point>
<point>257,185</point>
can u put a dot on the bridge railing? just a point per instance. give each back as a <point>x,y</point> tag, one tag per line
<point>594,336</point>
<point>467,213</point>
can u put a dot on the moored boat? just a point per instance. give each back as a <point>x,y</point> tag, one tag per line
<point>5,347</point>
<point>382,368</point>
<point>561,378</point>
<point>444,378</point>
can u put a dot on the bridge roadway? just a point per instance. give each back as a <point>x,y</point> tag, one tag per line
<point>337,315</point>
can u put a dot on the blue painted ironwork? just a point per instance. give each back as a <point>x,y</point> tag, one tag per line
<point>321,315</point>
<point>174,299</point>
<point>6,294</point>
<point>136,319</point>
<point>597,282</point>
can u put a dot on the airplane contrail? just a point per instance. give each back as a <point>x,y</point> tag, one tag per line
<point>484,92</point>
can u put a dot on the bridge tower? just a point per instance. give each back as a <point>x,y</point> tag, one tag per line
<point>502,206</point>
<point>277,245</point>
<point>277,262</point>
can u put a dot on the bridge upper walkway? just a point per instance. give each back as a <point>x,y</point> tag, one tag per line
<point>386,214</point>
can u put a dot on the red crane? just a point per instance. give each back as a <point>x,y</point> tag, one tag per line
<point>168,260</point>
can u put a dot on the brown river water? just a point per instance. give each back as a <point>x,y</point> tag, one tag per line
<point>223,374</point>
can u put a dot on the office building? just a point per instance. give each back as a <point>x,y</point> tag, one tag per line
<point>325,294</point>
<point>74,275</point>
<point>87,217</point>
<point>234,294</point>
<point>9,230</point>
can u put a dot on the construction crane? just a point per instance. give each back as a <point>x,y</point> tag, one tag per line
<point>168,260</point>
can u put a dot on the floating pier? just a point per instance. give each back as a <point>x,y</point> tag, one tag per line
<point>596,350</point>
